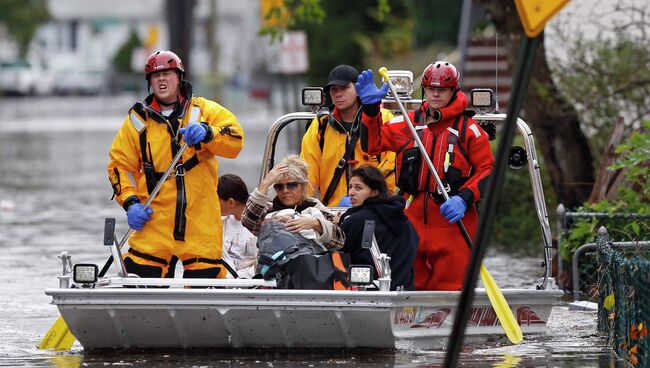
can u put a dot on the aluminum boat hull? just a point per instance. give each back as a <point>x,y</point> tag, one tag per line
<point>239,318</point>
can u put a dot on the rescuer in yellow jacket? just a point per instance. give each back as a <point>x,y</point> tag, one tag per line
<point>325,144</point>
<point>184,219</point>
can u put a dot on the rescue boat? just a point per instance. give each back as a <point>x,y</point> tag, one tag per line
<point>120,311</point>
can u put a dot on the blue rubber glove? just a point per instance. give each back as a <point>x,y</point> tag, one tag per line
<point>138,215</point>
<point>345,202</point>
<point>367,91</point>
<point>453,209</point>
<point>194,133</point>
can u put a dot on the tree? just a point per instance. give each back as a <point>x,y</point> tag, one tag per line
<point>443,29</point>
<point>370,28</point>
<point>606,75</point>
<point>22,18</point>
<point>565,148</point>
<point>122,58</point>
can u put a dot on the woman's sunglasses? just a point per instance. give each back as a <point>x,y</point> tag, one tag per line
<point>290,186</point>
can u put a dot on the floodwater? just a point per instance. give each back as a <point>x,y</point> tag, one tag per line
<point>54,196</point>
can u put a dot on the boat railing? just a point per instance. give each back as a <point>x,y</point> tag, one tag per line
<point>531,155</point>
<point>69,273</point>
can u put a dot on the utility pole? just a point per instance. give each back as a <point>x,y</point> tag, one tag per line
<point>213,45</point>
<point>180,20</point>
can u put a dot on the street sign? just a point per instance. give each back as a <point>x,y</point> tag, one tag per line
<point>535,13</point>
<point>291,55</point>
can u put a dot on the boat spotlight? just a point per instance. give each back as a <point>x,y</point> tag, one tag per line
<point>313,97</point>
<point>85,273</point>
<point>361,274</point>
<point>517,158</point>
<point>403,82</point>
<point>483,100</point>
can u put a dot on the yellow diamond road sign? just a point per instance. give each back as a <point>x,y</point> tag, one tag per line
<point>535,13</point>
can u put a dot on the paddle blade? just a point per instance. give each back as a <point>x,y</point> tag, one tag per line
<point>58,337</point>
<point>501,308</point>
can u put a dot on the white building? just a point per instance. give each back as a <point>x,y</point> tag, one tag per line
<point>93,31</point>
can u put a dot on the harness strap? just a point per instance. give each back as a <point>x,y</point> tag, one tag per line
<point>181,169</point>
<point>343,162</point>
<point>462,134</point>
<point>149,257</point>
<point>151,175</point>
<point>322,125</point>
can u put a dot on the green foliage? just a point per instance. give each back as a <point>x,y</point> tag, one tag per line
<point>343,32</point>
<point>22,18</point>
<point>435,21</point>
<point>355,32</point>
<point>122,58</point>
<point>289,13</point>
<point>635,155</point>
<point>634,197</point>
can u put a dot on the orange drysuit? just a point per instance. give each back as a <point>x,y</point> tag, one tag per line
<point>460,152</point>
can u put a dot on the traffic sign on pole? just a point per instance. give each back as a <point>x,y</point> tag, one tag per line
<point>535,13</point>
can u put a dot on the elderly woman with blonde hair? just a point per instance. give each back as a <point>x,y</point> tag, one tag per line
<point>291,217</point>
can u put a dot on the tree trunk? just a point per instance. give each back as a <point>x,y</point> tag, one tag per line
<point>608,181</point>
<point>553,120</point>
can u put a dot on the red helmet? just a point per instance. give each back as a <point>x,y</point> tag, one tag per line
<point>440,74</point>
<point>163,60</point>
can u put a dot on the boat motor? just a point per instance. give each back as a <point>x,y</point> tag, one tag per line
<point>517,158</point>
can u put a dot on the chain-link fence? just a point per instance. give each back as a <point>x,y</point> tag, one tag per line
<point>624,299</point>
<point>585,267</point>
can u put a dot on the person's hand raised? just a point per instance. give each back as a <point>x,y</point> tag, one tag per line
<point>272,177</point>
<point>367,90</point>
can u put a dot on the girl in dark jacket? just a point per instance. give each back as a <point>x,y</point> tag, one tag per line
<point>395,235</point>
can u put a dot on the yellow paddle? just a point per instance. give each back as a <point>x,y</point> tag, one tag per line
<point>58,337</point>
<point>498,301</point>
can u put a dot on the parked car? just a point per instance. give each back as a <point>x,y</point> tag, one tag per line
<point>20,77</point>
<point>74,77</point>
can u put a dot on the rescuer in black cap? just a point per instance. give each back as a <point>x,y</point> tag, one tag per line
<point>331,146</point>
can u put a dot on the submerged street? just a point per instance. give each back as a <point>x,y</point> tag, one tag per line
<point>54,196</point>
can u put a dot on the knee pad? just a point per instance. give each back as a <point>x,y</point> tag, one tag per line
<point>141,270</point>
<point>205,273</point>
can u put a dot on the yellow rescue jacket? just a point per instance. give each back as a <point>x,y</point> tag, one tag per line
<point>187,217</point>
<point>323,162</point>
